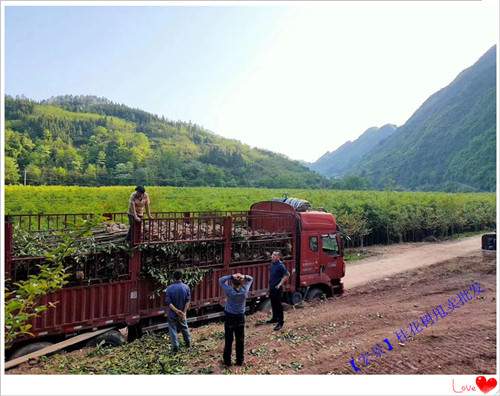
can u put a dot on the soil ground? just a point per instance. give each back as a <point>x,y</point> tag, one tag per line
<point>322,337</point>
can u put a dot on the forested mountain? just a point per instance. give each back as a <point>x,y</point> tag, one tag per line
<point>449,143</point>
<point>340,162</point>
<point>92,141</point>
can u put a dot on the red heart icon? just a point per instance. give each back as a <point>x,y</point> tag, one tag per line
<point>484,385</point>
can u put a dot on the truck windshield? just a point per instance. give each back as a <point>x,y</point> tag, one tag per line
<point>329,243</point>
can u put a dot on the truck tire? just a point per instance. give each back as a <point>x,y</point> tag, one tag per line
<point>265,306</point>
<point>111,338</point>
<point>296,298</point>
<point>33,347</point>
<point>339,290</point>
<point>338,287</point>
<point>315,294</point>
<point>134,332</point>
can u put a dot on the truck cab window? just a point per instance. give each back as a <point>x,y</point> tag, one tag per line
<point>313,243</point>
<point>329,243</point>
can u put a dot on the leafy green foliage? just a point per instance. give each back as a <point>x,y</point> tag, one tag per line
<point>351,183</point>
<point>162,260</point>
<point>163,275</point>
<point>160,263</point>
<point>22,298</point>
<point>148,355</point>
<point>38,244</point>
<point>92,141</point>
<point>11,171</point>
<point>21,303</point>
<point>389,216</point>
<point>354,224</point>
<point>29,243</point>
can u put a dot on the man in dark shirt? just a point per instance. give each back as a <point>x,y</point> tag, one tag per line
<point>279,274</point>
<point>234,310</point>
<point>177,297</point>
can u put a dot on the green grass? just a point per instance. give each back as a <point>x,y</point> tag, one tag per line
<point>355,255</point>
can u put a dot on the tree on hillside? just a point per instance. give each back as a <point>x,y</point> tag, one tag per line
<point>11,171</point>
<point>351,183</point>
<point>64,138</point>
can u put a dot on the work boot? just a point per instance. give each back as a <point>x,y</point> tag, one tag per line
<point>279,326</point>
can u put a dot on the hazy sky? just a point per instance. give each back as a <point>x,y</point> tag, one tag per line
<point>295,78</point>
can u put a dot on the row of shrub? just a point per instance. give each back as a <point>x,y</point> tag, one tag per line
<point>367,217</point>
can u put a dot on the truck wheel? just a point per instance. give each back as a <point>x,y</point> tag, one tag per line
<point>315,294</point>
<point>296,298</point>
<point>265,306</point>
<point>134,332</point>
<point>33,347</point>
<point>338,287</point>
<point>339,290</point>
<point>111,338</point>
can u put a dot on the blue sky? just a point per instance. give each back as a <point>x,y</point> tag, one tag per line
<point>295,78</point>
<point>172,60</point>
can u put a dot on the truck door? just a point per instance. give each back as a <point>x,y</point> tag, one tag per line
<point>329,256</point>
<point>310,254</point>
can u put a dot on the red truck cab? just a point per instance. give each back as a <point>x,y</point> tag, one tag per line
<point>318,253</point>
<point>321,255</point>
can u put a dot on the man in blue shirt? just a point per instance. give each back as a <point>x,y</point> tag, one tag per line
<point>234,310</point>
<point>178,297</point>
<point>278,275</point>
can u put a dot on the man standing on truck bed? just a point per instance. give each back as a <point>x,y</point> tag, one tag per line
<point>234,311</point>
<point>138,201</point>
<point>279,274</point>
<point>178,297</point>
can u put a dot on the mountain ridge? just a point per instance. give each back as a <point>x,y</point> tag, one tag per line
<point>449,140</point>
<point>91,140</point>
<point>338,162</point>
<point>448,143</point>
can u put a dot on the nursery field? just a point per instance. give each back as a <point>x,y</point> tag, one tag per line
<point>366,216</point>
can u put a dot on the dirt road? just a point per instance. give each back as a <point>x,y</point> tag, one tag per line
<point>356,333</point>
<point>389,260</point>
<point>323,337</point>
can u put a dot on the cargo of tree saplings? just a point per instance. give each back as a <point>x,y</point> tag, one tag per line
<point>196,247</point>
<point>99,256</point>
<point>168,244</point>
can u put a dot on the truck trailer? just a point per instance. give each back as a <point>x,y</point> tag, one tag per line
<point>219,243</point>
